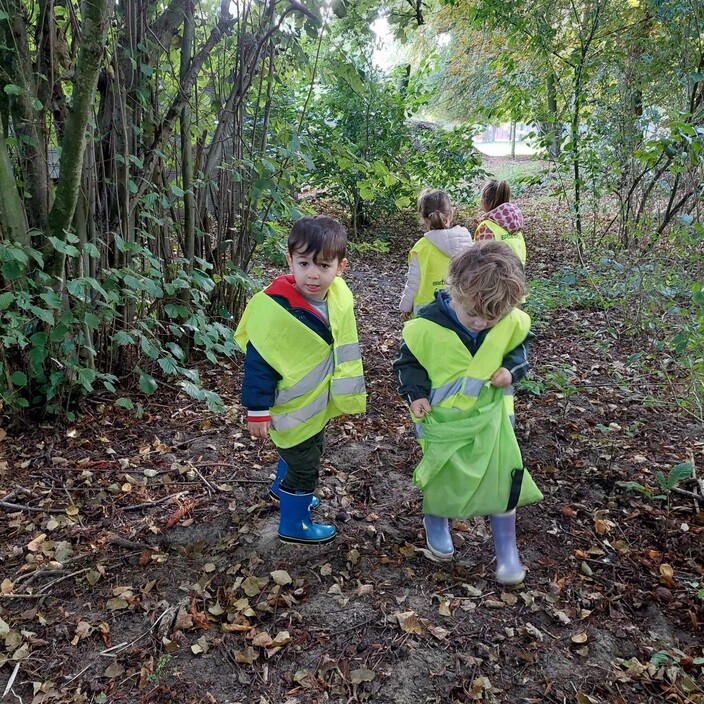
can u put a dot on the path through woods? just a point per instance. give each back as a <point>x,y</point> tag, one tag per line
<point>140,562</point>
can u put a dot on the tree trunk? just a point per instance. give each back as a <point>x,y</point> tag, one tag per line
<point>554,143</point>
<point>95,17</point>
<point>12,220</point>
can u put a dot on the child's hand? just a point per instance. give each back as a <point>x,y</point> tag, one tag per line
<point>259,430</point>
<point>420,407</point>
<point>501,378</point>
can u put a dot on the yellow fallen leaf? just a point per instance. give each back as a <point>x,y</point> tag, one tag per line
<point>281,577</point>
<point>262,640</point>
<point>409,622</point>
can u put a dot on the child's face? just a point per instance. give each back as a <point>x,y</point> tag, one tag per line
<point>471,320</point>
<point>313,277</point>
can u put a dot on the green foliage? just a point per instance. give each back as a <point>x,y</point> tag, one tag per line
<point>369,156</point>
<point>666,484</point>
<point>58,347</point>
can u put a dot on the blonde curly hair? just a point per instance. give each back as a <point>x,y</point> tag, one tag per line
<point>487,279</point>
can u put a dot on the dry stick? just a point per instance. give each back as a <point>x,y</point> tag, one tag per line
<point>697,482</point>
<point>21,507</point>
<point>235,480</point>
<point>691,495</point>
<point>125,543</point>
<point>147,504</point>
<point>11,681</point>
<point>205,481</point>
<point>61,579</point>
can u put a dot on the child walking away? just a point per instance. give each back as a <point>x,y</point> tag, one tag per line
<point>456,367</point>
<point>430,256</point>
<point>302,367</point>
<point>502,220</point>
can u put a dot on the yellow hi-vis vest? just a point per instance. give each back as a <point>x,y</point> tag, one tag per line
<point>513,239</point>
<point>433,263</point>
<point>319,381</point>
<point>457,377</point>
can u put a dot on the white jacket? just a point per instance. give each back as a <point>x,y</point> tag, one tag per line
<point>452,241</point>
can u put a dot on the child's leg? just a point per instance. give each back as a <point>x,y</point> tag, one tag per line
<point>437,536</point>
<point>275,490</point>
<point>509,569</point>
<point>302,463</point>
<point>296,492</point>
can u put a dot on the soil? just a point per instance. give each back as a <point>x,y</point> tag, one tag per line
<point>140,561</point>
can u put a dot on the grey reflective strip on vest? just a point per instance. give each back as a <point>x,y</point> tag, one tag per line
<point>348,385</point>
<point>348,353</point>
<point>307,383</point>
<point>469,386</point>
<point>292,419</point>
<point>472,386</point>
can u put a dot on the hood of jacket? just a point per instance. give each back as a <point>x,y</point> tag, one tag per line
<point>506,215</point>
<point>451,241</point>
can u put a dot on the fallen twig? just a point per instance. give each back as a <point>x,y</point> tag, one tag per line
<point>22,507</point>
<point>147,504</point>
<point>11,681</point>
<point>205,481</point>
<point>684,492</point>
<point>125,543</point>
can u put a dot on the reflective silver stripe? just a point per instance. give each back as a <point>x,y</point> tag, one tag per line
<point>348,353</point>
<point>469,386</point>
<point>307,383</point>
<point>512,418</point>
<point>509,391</point>
<point>472,386</point>
<point>419,430</point>
<point>443,392</point>
<point>292,419</point>
<point>348,385</point>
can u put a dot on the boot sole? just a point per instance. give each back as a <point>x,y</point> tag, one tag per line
<point>511,581</point>
<point>442,556</point>
<point>302,541</point>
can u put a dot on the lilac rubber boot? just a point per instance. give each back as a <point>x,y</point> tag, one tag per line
<point>509,569</point>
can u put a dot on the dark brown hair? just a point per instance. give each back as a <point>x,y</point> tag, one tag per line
<point>434,206</point>
<point>487,279</point>
<point>495,193</point>
<point>320,236</point>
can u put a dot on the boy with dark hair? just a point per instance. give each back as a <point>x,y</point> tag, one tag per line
<point>303,366</point>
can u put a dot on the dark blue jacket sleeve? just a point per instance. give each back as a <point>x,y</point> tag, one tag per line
<point>259,383</point>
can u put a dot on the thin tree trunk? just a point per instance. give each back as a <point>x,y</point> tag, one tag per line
<point>555,146</point>
<point>189,224</point>
<point>12,218</point>
<point>95,17</point>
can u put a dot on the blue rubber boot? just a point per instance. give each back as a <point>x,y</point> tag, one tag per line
<point>509,569</point>
<point>295,524</point>
<point>437,537</point>
<point>280,474</point>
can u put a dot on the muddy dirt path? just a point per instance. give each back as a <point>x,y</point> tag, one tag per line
<point>143,564</point>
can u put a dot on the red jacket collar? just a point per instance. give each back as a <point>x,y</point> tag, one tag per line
<point>283,286</point>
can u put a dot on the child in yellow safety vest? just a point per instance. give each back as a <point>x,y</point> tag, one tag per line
<point>469,345</point>
<point>302,367</point>
<point>502,220</point>
<point>430,256</point>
